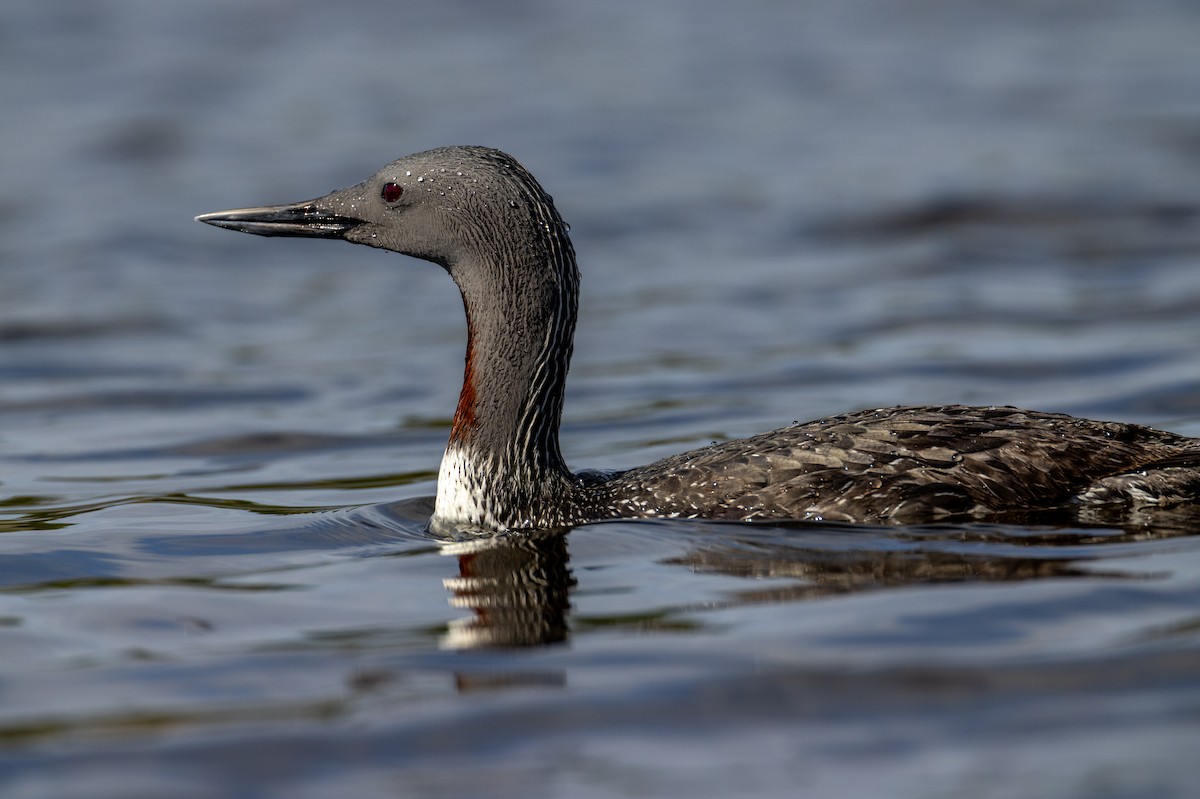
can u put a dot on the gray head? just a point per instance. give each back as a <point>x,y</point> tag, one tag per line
<point>450,205</point>
<point>482,216</point>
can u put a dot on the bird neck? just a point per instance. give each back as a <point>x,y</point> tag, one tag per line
<point>503,467</point>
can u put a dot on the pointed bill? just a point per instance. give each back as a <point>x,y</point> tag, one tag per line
<point>295,219</point>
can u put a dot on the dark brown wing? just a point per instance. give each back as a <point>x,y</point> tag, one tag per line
<point>905,465</point>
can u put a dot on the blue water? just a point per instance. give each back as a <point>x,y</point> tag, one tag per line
<point>216,450</point>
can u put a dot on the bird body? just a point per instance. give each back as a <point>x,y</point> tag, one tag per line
<point>481,216</point>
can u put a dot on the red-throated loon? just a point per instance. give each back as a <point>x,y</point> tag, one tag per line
<point>481,216</point>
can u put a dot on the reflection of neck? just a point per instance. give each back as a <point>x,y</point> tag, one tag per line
<point>517,588</point>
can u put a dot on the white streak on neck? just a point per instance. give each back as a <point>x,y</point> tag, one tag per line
<point>459,501</point>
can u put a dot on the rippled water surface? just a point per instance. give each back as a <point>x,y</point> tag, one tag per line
<point>216,451</point>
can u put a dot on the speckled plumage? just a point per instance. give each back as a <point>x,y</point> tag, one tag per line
<point>913,465</point>
<point>484,218</point>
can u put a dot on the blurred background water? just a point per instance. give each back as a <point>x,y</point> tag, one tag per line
<point>214,579</point>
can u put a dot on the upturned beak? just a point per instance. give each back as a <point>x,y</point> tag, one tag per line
<point>297,219</point>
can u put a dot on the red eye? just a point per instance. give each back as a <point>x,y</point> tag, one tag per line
<point>391,192</point>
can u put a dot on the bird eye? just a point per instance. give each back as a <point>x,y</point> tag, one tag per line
<point>391,192</point>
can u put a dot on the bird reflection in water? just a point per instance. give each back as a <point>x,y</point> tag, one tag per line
<point>517,588</point>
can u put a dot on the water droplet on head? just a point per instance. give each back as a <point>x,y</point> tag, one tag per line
<point>408,173</point>
<point>512,203</point>
<point>421,179</point>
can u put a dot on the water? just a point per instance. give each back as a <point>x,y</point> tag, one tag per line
<point>214,449</point>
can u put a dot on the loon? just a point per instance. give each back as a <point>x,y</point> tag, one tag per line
<point>481,216</point>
